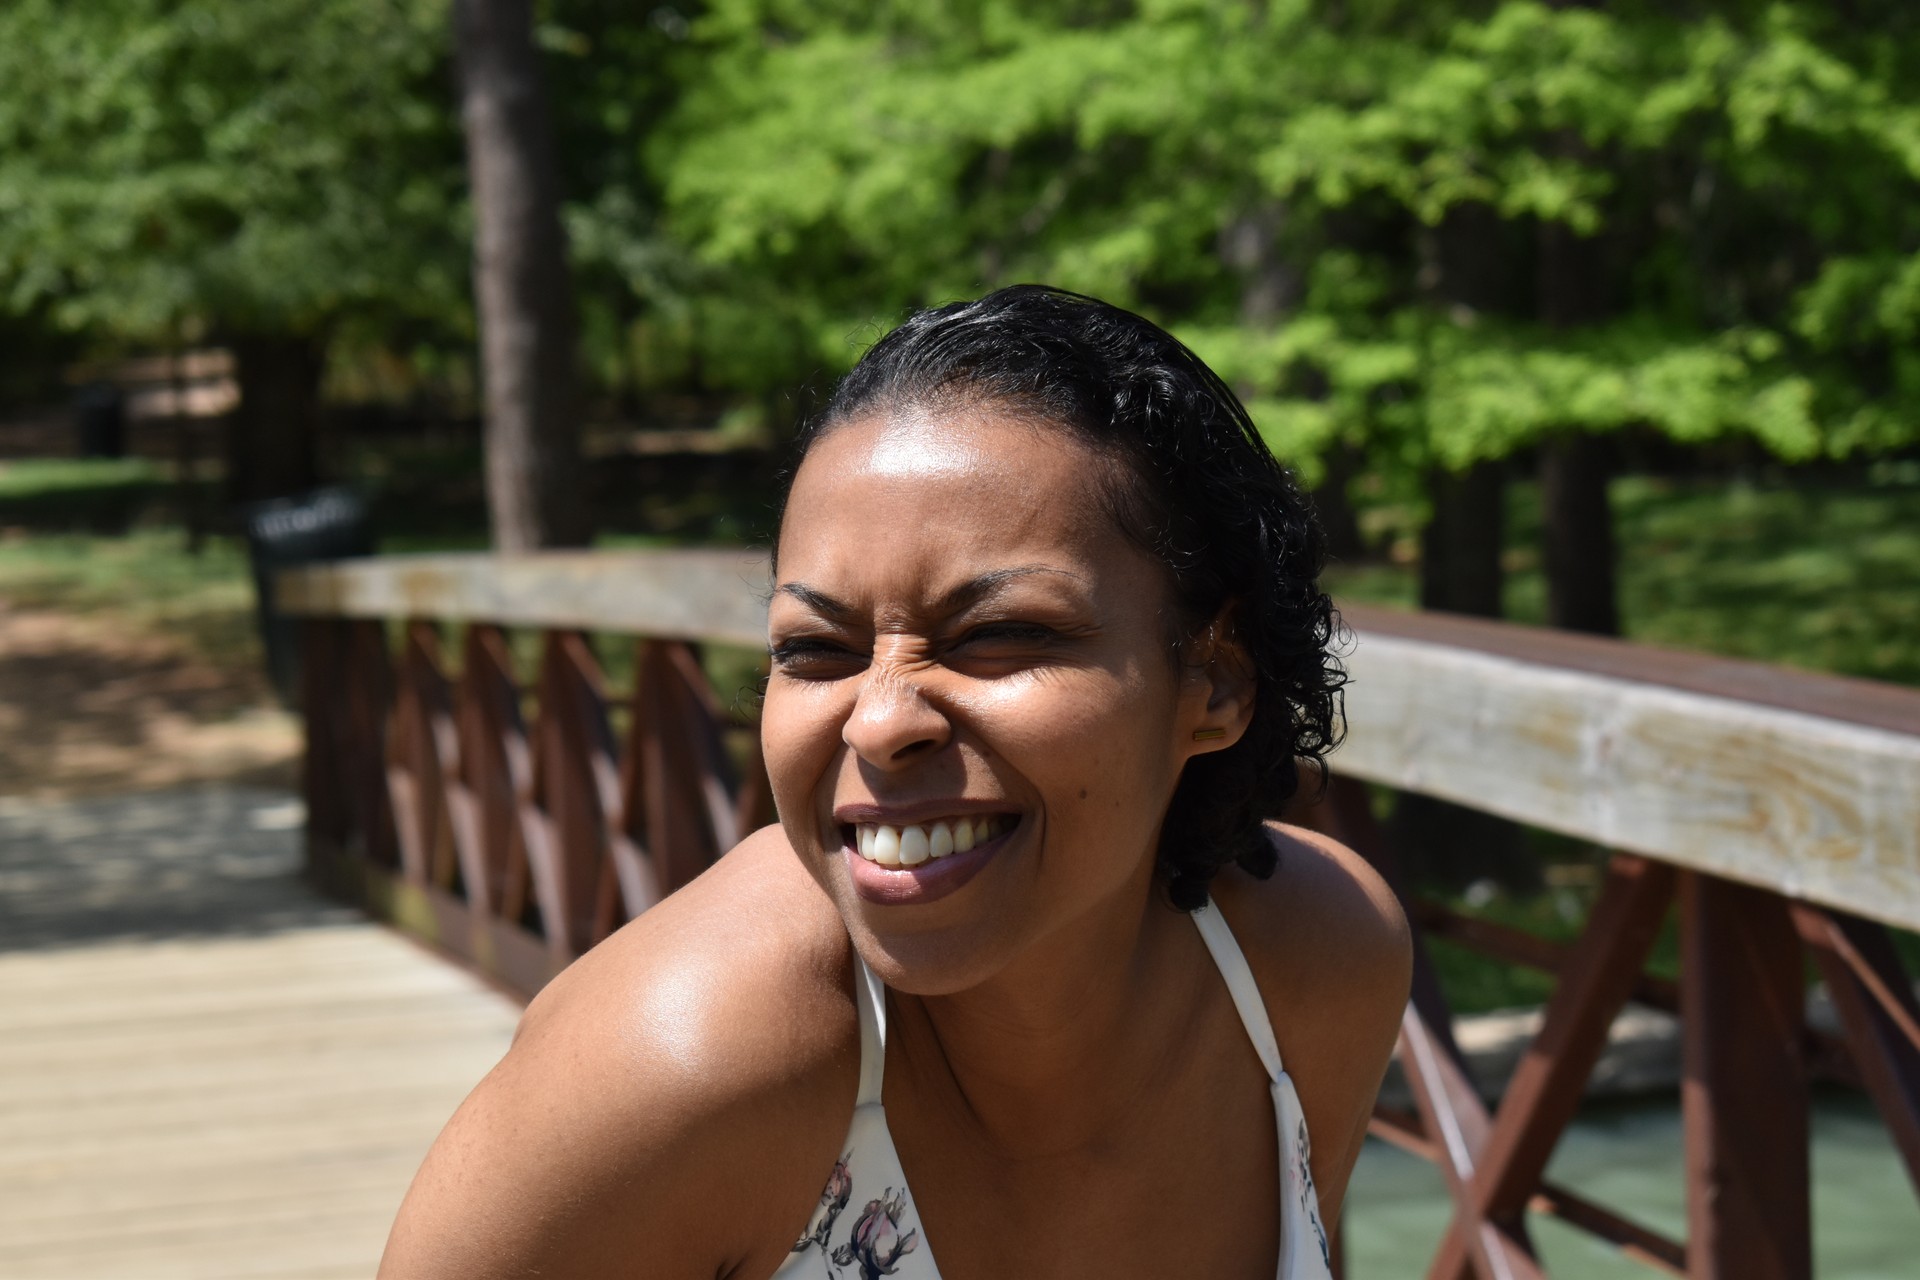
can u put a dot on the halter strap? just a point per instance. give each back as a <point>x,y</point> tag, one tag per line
<point>871,997</point>
<point>1232,963</point>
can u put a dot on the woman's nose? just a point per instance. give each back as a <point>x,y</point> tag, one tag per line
<point>893,724</point>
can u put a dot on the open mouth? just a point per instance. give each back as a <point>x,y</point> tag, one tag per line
<point>909,846</point>
<point>922,861</point>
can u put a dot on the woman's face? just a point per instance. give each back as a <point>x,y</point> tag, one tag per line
<point>974,723</point>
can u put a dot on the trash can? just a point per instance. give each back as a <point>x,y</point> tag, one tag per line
<point>100,417</point>
<point>324,524</point>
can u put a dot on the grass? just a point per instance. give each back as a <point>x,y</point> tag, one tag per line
<point>56,477</point>
<point>1476,984</point>
<point>145,581</point>
<point>1824,578</point>
<point>78,495</point>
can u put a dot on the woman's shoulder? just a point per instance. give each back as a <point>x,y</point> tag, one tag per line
<point>753,934</point>
<point>707,1053</point>
<point>1325,926</point>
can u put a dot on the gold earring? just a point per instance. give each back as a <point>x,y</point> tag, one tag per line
<point>1209,735</point>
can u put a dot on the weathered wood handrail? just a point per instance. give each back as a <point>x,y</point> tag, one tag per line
<point>718,596</point>
<point>1804,783</point>
<point>1779,810</point>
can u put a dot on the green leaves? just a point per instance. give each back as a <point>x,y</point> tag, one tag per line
<point>1360,213</point>
<point>1740,184</point>
<point>170,168</point>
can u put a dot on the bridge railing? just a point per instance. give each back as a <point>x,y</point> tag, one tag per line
<point>515,820</point>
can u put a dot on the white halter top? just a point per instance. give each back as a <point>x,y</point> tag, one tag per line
<point>867,1225</point>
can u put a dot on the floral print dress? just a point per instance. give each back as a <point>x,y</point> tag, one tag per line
<point>865,1225</point>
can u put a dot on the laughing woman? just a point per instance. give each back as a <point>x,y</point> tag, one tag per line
<point>1024,980</point>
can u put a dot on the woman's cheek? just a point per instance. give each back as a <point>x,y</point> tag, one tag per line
<point>798,738</point>
<point>1046,721</point>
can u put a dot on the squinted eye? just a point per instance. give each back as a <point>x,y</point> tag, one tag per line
<point>1008,633</point>
<point>809,657</point>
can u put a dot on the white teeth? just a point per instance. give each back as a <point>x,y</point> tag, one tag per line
<point>914,846</point>
<point>909,846</point>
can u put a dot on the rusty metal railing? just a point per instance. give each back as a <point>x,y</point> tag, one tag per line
<point>1779,812</point>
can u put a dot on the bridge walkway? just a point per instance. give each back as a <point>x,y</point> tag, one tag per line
<point>206,1069</point>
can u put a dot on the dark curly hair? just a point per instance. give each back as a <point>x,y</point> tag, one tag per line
<point>1197,489</point>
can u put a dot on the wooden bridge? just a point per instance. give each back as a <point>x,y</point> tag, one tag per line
<point>1774,814</point>
<point>208,1070</point>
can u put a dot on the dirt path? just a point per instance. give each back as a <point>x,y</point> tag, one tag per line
<point>85,709</point>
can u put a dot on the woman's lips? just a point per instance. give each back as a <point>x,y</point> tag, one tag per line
<point>927,881</point>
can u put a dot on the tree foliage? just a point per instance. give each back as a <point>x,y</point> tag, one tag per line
<point>1436,233</point>
<point>196,167</point>
<point>1733,184</point>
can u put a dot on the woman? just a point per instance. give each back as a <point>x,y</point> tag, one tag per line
<point>1022,979</point>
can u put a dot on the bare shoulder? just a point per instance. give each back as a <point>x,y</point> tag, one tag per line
<point>1327,927</point>
<point>705,1053</point>
<point>1332,954</point>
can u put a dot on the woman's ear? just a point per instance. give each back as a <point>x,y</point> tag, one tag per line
<point>1221,669</point>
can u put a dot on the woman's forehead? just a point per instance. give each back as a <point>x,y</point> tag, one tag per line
<point>950,438</point>
<point>917,442</point>
<point>1003,463</point>
<point>949,494</point>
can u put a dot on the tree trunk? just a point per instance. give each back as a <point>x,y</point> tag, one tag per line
<point>1270,283</point>
<point>1334,505</point>
<point>1576,523</point>
<point>1270,288</point>
<point>1576,530</point>
<point>271,435</point>
<point>1460,569</point>
<point>1449,845</point>
<point>535,490</point>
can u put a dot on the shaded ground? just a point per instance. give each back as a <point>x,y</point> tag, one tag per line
<point>185,863</point>
<point>90,705</point>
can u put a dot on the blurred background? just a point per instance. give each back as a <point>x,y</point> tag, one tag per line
<point>1596,316</point>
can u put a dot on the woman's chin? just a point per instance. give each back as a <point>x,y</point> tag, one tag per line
<point>937,928</point>
<point>940,963</point>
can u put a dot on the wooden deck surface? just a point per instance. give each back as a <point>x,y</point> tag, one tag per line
<point>205,1070</point>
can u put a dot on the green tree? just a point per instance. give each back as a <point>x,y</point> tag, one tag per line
<point>1433,236</point>
<point>267,175</point>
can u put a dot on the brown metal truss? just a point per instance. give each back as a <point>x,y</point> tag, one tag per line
<point>515,825</point>
<point>1748,1060</point>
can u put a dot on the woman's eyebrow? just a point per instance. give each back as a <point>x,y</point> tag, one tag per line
<point>991,583</point>
<point>818,601</point>
<point>968,593</point>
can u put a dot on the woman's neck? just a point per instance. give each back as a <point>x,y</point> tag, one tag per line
<point>1044,1057</point>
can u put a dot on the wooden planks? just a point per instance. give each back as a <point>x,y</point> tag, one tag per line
<point>250,1106</point>
<point>206,1070</point>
